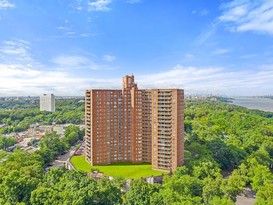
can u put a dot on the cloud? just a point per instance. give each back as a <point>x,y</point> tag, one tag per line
<point>189,56</point>
<point>221,51</point>
<point>16,79</point>
<point>84,62</point>
<point>73,34</point>
<point>248,15</point>
<point>109,58</point>
<point>207,33</point>
<point>17,50</point>
<point>68,31</point>
<point>212,80</point>
<point>5,4</point>
<point>91,5</point>
<point>16,47</point>
<point>22,74</point>
<point>70,61</point>
<point>202,12</point>
<point>99,5</point>
<point>133,1</point>
<point>77,62</point>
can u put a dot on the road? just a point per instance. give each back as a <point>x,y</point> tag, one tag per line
<point>61,160</point>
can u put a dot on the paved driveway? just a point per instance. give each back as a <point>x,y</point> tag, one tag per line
<point>61,159</point>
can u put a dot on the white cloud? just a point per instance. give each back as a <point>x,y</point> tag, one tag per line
<point>221,51</point>
<point>21,74</point>
<point>77,62</point>
<point>71,61</point>
<point>73,34</point>
<point>109,58</point>
<point>17,79</point>
<point>249,15</point>
<point>99,5</point>
<point>17,47</point>
<point>16,50</point>
<point>212,80</point>
<point>74,62</point>
<point>5,4</point>
<point>207,33</point>
<point>68,31</point>
<point>133,1</point>
<point>189,56</point>
<point>202,12</point>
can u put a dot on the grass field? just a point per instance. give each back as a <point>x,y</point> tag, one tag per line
<point>126,170</point>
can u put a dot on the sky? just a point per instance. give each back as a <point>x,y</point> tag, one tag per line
<point>220,47</point>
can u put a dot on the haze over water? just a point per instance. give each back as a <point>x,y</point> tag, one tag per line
<point>264,104</point>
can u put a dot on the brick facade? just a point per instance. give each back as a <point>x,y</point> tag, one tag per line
<point>133,125</point>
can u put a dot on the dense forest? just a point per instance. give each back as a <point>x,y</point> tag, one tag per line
<point>67,111</point>
<point>228,148</point>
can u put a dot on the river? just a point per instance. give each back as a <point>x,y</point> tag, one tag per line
<point>264,104</point>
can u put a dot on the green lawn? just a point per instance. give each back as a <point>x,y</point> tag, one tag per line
<point>126,170</point>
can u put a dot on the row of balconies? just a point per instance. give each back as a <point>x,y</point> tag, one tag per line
<point>164,118</point>
<point>164,112</point>
<point>164,145</point>
<point>163,130</point>
<point>164,165</point>
<point>164,138</point>
<point>164,156</point>
<point>164,149</point>
<point>164,107</point>
<point>163,141</point>
<point>164,100</point>
<point>164,152</point>
<point>164,121</point>
<point>164,161</point>
<point>161,95</point>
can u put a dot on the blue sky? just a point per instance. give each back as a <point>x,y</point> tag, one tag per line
<point>203,46</point>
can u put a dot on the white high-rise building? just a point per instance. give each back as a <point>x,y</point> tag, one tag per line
<point>47,102</point>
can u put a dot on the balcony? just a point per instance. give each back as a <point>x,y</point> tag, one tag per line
<point>165,122</point>
<point>166,165</point>
<point>164,152</point>
<point>164,145</point>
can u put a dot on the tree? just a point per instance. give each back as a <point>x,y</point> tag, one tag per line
<point>221,153</point>
<point>140,193</point>
<point>220,201</point>
<point>61,186</point>
<point>178,190</point>
<point>20,173</point>
<point>262,176</point>
<point>44,196</point>
<point>212,188</point>
<point>265,195</point>
<point>51,146</point>
<point>119,182</point>
<point>205,169</point>
<point>6,142</point>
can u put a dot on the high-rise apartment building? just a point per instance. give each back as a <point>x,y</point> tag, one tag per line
<point>134,125</point>
<point>47,102</point>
